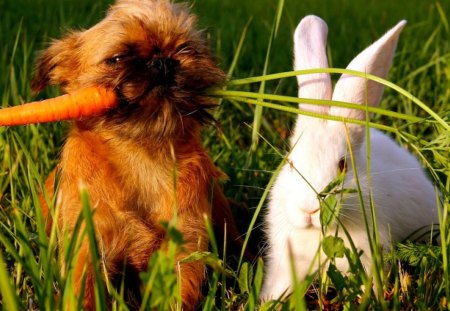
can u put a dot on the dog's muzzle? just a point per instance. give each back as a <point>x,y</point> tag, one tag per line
<point>163,69</point>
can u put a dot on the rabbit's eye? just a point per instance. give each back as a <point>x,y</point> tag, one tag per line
<point>342,165</point>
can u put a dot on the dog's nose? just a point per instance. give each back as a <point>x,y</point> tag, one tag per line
<point>163,68</point>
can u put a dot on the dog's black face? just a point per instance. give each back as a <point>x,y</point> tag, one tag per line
<point>136,76</point>
<point>149,52</point>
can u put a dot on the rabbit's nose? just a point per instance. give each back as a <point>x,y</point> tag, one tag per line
<point>309,216</point>
<point>308,220</point>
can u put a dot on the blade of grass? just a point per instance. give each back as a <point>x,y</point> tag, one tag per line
<point>239,47</point>
<point>320,102</point>
<point>387,83</point>
<point>376,255</point>
<point>443,214</point>
<point>9,297</point>
<point>443,16</point>
<point>259,109</point>
<point>99,290</point>
<point>210,299</point>
<point>232,67</point>
<point>33,175</point>
<point>315,115</point>
<point>258,209</point>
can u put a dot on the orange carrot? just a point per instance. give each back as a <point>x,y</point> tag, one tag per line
<point>82,103</point>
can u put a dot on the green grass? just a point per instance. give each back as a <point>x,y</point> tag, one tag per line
<point>30,274</point>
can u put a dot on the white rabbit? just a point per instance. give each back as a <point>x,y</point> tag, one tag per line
<point>403,197</point>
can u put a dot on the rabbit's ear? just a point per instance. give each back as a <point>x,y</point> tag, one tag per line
<point>375,60</point>
<point>310,52</point>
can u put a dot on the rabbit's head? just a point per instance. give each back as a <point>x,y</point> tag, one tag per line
<point>321,146</point>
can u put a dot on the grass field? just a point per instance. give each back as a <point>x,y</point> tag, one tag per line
<point>30,276</point>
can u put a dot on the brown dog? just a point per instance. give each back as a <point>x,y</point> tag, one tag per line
<point>143,162</point>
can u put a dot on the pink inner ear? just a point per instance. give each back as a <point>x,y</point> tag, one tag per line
<point>376,60</point>
<point>310,53</point>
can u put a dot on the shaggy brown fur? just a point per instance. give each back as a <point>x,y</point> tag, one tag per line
<point>151,54</point>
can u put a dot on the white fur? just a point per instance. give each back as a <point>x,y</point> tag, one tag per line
<point>404,198</point>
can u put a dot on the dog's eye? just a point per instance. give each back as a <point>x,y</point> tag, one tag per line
<point>342,165</point>
<point>184,48</point>
<point>116,59</point>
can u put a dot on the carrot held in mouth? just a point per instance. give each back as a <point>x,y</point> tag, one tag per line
<point>85,102</point>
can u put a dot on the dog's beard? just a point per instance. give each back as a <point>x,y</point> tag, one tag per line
<point>160,101</point>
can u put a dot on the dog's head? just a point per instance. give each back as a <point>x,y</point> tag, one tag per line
<point>149,51</point>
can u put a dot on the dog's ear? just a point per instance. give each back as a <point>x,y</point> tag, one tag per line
<point>58,64</point>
